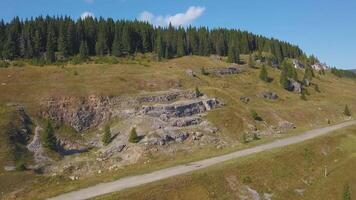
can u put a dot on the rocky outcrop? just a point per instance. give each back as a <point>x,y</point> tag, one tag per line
<point>187,122</point>
<point>297,64</point>
<point>180,109</point>
<point>224,71</point>
<point>36,147</point>
<point>269,95</point>
<point>83,113</point>
<point>285,125</point>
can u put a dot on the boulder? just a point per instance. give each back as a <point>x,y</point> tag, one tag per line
<point>294,86</point>
<point>306,82</point>
<point>297,64</point>
<point>269,95</point>
<point>245,99</point>
<point>190,73</point>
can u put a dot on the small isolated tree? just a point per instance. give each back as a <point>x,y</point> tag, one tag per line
<point>255,116</point>
<point>347,192</point>
<point>133,138</point>
<point>251,61</point>
<point>49,139</point>
<point>244,138</point>
<point>347,111</point>
<point>107,135</point>
<point>197,92</point>
<point>264,74</point>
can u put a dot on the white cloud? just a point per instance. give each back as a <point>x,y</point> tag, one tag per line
<point>86,14</point>
<point>179,19</point>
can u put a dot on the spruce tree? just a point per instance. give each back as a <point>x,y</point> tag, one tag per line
<point>101,47</point>
<point>159,46</point>
<point>37,44</point>
<point>63,42</point>
<point>308,74</point>
<point>117,46</point>
<point>284,78</point>
<point>49,140</point>
<point>133,138</point>
<point>264,74</point>
<point>106,139</point>
<point>83,50</point>
<point>50,48</point>
<point>233,54</point>
<point>9,48</point>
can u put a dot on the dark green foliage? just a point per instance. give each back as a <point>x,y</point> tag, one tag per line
<point>255,116</point>
<point>347,192</point>
<point>106,139</point>
<point>309,73</point>
<point>133,138</point>
<point>343,73</point>
<point>197,92</point>
<point>287,72</point>
<point>49,140</point>
<point>264,74</point>
<point>347,111</point>
<point>33,38</point>
<point>20,166</point>
<point>83,50</point>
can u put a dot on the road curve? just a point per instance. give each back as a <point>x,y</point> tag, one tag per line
<point>133,181</point>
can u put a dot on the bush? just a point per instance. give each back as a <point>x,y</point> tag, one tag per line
<point>204,72</point>
<point>75,73</point>
<point>106,60</point>
<point>20,166</point>
<point>255,116</point>
<point>76,60</point>
<point>347,111</point>
<point>4,64</point>
<point>133,138</point>
<point>303,96</point>
<point>107,135</point>
<point>316,88</point>
<point>264,74</point>
<point>197,92</point>
<point>18,64</point>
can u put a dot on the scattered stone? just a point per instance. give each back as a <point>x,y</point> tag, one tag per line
<point>190,73</point>
<point>245,99</point>
<point>10,168</point>
<point>306,82</point>
<point>224,71</point>
<point>286,125</point>
<point>269,95</point>
<point>3,84</point>
<point>99,171</point>
<point>187,122</point>
<point>300,191</point>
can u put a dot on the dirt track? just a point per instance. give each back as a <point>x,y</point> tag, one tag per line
<point>133,181</point>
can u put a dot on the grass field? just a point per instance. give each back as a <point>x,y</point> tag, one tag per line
<point>281,172</point>
<point>30,85</point>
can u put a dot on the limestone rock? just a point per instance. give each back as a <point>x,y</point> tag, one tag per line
<point>269,95</point>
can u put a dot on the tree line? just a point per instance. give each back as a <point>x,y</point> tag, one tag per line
<point>53,38</point>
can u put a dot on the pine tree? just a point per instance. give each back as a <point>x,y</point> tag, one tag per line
<point>308,74</point>
<point>264,74</point>
<point>37,44</point>
<point>49,139</point>
<point>50,49</point>
<point>106,139</point>
<point>197,92</point>
<point>63,42</point>
<point>117,46</point>
<point>83,50</point>
<point>284,78</point>
<point>347,111</point>
<point>159,46</point>
<point>233,54</point>
<point>101,47</point>
<point>9,48</point>
<point>133,138</point>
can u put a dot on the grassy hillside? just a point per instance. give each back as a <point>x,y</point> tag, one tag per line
<point>295,172</point>
<point>30,85</point>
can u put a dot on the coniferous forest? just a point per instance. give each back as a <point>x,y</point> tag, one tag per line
<point>53,38</point>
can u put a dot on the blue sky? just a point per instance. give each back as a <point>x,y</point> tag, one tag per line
<point>325,28</point>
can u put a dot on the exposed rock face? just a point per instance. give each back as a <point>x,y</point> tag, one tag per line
<point>224,71</point>
<point>190,73</point>
<point>269,95</point>
<point>319,66</point>
<point>187,122</point>
<point>294,86</point>
<point>180,109</point>
<point>84,113</point>
<point>36,147</point>
<point>297,64</point>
